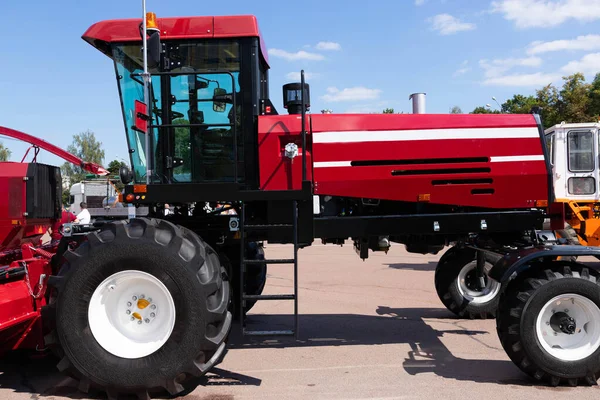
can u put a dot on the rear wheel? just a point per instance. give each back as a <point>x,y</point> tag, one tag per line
<point>140,307</point>
<point>458,288</point>
<point>549,323</point>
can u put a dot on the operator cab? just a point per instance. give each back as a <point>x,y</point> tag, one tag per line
<point>574,151</point>
<point>209,81</point>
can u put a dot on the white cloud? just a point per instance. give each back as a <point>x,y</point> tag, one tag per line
<point>464,68</point>
<point>589,64</point>
<point>299,55</point>
<point>446,24</point>
<point>329,46</point>
<point>419,2</point>
<point>295,76</point>
<point>587,43</point>
<point>498,67</point>
<point>536,79</point>
<point>547,13</point>
<point>358,93</point>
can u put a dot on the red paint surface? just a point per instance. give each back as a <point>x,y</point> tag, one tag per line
<point>515,184</point>
<point>173,28</point>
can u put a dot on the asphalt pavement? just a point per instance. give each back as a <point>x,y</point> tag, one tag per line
<point>371,329</point>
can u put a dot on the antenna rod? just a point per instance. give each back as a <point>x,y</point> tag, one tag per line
<point>302,86</point>
<point>146,79</point>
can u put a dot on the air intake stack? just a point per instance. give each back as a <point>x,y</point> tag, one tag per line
<point>418,103</point>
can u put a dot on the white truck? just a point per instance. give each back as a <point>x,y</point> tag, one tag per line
<point>102,199</point>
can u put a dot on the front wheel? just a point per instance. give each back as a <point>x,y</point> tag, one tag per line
<point>549,323</point>
<point>140,307</point>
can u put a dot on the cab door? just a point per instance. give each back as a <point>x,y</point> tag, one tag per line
<point>582,164</point>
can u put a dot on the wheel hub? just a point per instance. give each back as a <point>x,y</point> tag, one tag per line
<point>562,322</point>
<point>131,314</point>
<point>568,327</point>
<point>470,288</point>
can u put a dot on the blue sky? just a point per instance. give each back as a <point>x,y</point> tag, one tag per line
<point>359,57</point>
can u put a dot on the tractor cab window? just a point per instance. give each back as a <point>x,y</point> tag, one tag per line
<point>580,147</point>
<point>193,118</point>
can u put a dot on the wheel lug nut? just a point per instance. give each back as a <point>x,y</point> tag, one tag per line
<point>128,304</point>
<point>134,298</point>
<point>127,312</point>
<point>566,310</point>
<point>146,320</point>
<point>111,287</point>
<point>142,296</point>
<point>153,307</point>
<point>150,299</point>
<point>152,315</point>
<point>132,318</point>
<point>140,322</point>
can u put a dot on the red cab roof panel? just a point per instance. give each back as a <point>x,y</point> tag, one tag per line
<point>172,28</point>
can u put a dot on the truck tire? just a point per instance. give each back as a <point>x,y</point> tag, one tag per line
<point>457,287</point>
<point>139,307</point>
<point>535,330</point>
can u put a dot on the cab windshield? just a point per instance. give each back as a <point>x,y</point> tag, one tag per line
<point>192,135</point>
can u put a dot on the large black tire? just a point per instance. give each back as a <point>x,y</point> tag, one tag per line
<point>462,297</point>
<point>519,308</point>
<point>191,272</point>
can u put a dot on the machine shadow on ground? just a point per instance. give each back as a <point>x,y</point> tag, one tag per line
<point>430,266</point>
<point>428,354</point>
<point>38,376</point>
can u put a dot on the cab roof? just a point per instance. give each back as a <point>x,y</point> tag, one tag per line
<point>101,34</point>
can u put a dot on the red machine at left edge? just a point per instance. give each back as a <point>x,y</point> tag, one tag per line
<point>30,196</point>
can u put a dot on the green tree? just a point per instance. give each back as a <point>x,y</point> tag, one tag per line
<point>484,110</point>
<point>86,147</point>
<point>183,146</point>
<point>4,153</point>
<point>114,166</point>
<point>388,111</point>
<point>65,197</point>
<point>456,110</point>
<point>594,104</point>
<point>519,104</point>
<point>575,98</point>
<point>549,100</point>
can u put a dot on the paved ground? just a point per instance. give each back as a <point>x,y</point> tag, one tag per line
<point>369,330</point>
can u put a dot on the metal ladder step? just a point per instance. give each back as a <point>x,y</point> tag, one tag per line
<point>266,226</point>
<point>245,262</point>
<point>274,261</point>
<point>270,297</point>
<point>269,333</point>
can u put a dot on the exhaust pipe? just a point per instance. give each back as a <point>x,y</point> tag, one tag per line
<point>418,103</point>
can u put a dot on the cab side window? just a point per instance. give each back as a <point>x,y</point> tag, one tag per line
<point>580,146</point>
<point>550,146</point>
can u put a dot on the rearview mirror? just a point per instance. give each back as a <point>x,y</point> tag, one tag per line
<point>219,98</point>
<point>154,50</point>
<point>125,174</point>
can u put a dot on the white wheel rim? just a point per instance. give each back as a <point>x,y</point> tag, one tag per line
<point>476,296</point>
<point>570,347</point>
<point>131,314</point>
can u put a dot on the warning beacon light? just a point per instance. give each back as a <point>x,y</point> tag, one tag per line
<point>292,99</point>
<point>151,23</point>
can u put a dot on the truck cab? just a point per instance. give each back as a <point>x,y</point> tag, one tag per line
<point>574,150</point>
<point>574,155</point>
